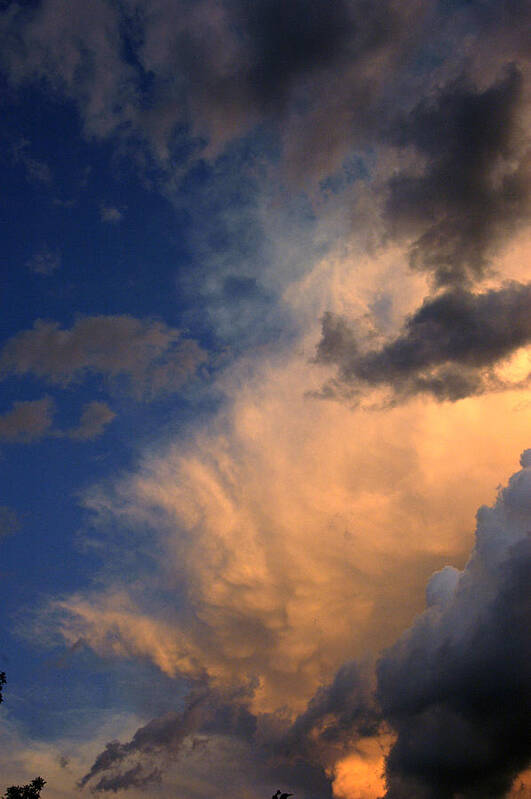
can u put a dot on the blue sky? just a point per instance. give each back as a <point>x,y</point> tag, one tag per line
<point>265,352</point>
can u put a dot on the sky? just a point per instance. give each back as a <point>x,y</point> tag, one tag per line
<point>265,421</point>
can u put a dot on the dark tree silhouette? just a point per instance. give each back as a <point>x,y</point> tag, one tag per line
<point>30,791</point>
<point>2,683</point>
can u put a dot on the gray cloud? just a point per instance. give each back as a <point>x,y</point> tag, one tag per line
<point>45,261</point>
<point>157,738</point>
<point>456,687</point>
<point>448,347</point>
<point>215,69</point>
<point>288,42</point>
<point>94,419</point>
<point>27,421</point>
<point>36,171</point>
<point>267,754</point>
<point>151,357</point>
<point>475,188</point>
<point>109,213</point>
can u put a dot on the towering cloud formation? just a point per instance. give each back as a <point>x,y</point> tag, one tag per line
<point>457,686</point>
<point>361,163</point>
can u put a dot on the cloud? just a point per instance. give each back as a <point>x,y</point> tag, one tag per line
<point>45,261</point>
<point>74,49</point>
<point>27,421</point>
<point>94,419</point>
<point>280,544</point>
<point>150,357</point>
<point>337,716</point>
<point>449,347</point>
<point>36,171</point>
<point>474,190</point>
<point>255,743</point>
<point>216,70</point>
<point>286,539</point>
<point>162,735</point>
<point>109,213</point>
<point>455,687</point>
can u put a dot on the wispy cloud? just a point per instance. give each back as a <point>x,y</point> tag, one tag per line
<point>45,261</point>
<point>36,171</point>
<point>109,213</point>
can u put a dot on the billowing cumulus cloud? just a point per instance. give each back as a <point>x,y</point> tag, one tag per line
<point>454,690</point>
<point>342,193</point>
<point>448,348</point>
<point>285,550</point>
<point>456,687</point>
<point>149,356</point>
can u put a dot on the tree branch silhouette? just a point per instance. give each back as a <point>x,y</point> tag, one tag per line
<point>33,789</point>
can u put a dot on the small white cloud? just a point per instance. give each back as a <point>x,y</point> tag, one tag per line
<point>36,171</point>
<point>109,213</point>
<point>45,261</point>
<point>94,419</point>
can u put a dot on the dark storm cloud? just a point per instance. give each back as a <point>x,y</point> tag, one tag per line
<point>159,737</point>
<point>269,750</point>
<point>457,686</point>
<point>339,713</point>
<point>211,71</point>
<point>448,347</point>
<point>291,41</point>
<point>475,188</point>
<point>135,777</point>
